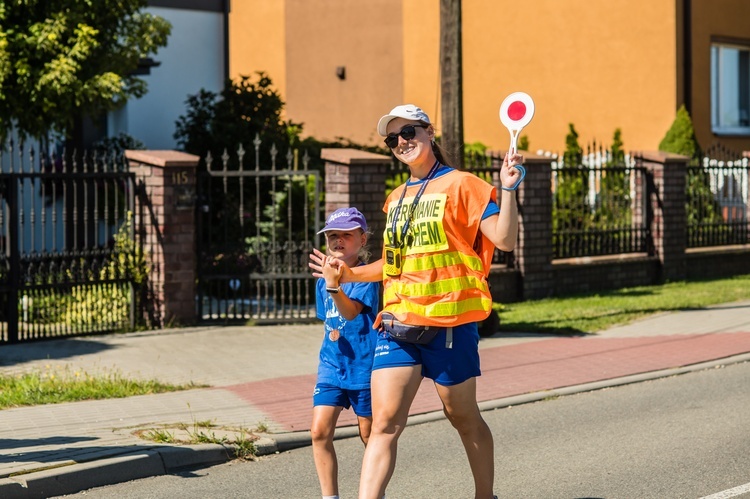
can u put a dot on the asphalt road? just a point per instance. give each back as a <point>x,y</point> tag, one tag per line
<point>681,437</point>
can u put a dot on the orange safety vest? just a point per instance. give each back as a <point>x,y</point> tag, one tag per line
<point>447,259</point>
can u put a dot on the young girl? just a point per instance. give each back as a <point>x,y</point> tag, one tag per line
<point>348,311</point>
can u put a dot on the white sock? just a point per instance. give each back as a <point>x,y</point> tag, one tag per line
<point>330,497</point>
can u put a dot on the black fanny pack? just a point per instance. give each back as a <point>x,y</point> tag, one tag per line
<point>406,332</point>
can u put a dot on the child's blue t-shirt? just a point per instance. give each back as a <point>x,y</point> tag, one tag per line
<point>348,346</point>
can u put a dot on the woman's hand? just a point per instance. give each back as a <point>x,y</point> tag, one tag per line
<point>509,175</point>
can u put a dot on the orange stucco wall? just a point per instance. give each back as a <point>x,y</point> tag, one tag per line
<point>591,63</point>
<point>599,64</point>
<point>257,39</point>
<point>362,37</point>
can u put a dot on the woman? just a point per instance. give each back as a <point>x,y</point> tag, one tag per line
<point>441,230</point>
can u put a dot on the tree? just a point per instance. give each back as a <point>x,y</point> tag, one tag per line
<point>570,197</point>
<point>680,138</point>
<point>245,107</point>
<point>614,210</point>
<point>62,59</point>
<point>573,154</point>
<point>702,208</point>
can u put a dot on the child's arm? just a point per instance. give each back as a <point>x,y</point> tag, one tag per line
<point>348,308</point>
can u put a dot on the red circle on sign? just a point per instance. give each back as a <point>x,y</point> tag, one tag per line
<point>516,110</point>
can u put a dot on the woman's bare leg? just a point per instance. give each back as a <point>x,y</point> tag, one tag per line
<point>393,390</point>
<point>460,407</point>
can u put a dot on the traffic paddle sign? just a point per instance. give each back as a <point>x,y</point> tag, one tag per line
<point>516,112</point>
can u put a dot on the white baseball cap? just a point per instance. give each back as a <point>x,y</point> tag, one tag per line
<point>406,111</point>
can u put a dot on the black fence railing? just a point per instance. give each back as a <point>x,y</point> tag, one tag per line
<point>599,207</point>
<point>256,224</point>
<point>717,199</point>
<point>67,245</point>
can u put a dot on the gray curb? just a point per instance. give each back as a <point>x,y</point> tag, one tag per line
<point>72,478</point>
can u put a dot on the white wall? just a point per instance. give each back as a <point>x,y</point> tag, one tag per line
<point>193,59</point>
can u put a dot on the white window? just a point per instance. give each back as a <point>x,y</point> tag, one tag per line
<point>730,89</point>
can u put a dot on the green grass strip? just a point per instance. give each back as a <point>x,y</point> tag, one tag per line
<point>57,385</point>
<point>591,313</point>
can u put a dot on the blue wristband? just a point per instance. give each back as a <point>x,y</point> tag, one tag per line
<point>522,171</point>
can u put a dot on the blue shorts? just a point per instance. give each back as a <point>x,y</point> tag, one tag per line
<point>359,400</point>
<point>445,365</point>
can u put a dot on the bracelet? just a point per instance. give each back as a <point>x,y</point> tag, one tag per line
<point>522,171</point>
<point>333,291</point>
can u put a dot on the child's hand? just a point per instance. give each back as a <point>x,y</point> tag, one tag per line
<point>332,269</point>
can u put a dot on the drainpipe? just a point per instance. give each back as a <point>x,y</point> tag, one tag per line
<point>227,9</point>
<point>687,54</point>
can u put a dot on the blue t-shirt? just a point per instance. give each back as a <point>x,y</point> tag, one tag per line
<point>348,346</point>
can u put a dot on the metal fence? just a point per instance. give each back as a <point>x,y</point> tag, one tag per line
<point>68,257</point>
<point>256,226</point>
<point>599,206</point>
<point>717,205</point>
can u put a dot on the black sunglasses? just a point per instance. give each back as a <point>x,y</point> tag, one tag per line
<point>406,133</point>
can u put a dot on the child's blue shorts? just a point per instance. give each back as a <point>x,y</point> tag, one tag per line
<point>444,364</point>
<point>359,400</point>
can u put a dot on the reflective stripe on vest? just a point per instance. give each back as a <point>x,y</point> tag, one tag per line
<point>442,309</point>
<point>439,287</point>
<point>439,260</point>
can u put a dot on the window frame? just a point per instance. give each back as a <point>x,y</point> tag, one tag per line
<point>715,74</point>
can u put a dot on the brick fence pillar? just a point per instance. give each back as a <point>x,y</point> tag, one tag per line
<point>166,189</point>
<point>357,178</point>
<point>534,248</point>
<point>669,225</point>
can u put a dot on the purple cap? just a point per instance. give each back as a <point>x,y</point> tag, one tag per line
<point>345,219</point>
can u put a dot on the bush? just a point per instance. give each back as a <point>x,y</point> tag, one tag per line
<point>97,298</point>
<point>680,138</point>
<point>702,208</point>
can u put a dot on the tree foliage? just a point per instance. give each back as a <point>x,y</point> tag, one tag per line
<point>573,154</point>
<point>702,207</point>
<point>680,138</point>
<point>60,59</point>
<point>571,190</point>
<point>614,204</point>
<point>245,107</point>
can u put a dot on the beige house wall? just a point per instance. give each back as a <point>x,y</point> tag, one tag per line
<point>599,64</point>
<point>710,20</point>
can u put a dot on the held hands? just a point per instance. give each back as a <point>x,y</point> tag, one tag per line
<point>332,272</point>
<point>329,268</point>
<point>511,173</point>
